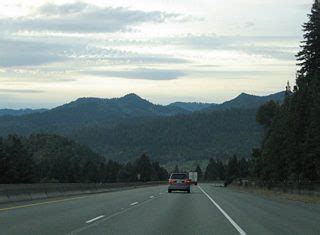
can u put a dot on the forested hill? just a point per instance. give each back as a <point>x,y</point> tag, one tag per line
<point>200,135</point>
<point>248,101</point>
<point>19,112</point>
<point>243,100</point>
<point>51,158</point>
<point>84,111</point>
<point>190,106</point>
<point>124,127</point>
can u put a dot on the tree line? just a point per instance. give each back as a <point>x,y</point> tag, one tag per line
<point>51,158</point>
<point>233,168</point>
<point>290,149</point>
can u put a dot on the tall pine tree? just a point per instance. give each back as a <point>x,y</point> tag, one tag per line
<point>307,106</point>
<point>291,148</point>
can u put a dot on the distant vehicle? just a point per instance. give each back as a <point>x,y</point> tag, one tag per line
<point>193,176</point>
<point>179,182</point>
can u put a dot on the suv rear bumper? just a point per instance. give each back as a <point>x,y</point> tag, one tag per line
<point>179,187</point>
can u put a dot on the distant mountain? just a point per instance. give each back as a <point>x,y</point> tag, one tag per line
<point>123,128</point>
<point>19,112</point>
<point>85,111</point>
<point>248,101</point>
<point>241,101</point>
<point>190,106</point>
<point>196,136</point>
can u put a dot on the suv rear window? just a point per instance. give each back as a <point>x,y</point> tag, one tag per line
<point>179,176</point>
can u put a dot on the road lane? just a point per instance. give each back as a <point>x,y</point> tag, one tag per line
<point>151,210</point>
<point>95,219</point>
<point>234,224</point>
<point>262,215</point>
<point>174,213</point>
<point>65,216</point>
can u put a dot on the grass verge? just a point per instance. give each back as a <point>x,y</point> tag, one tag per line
<point>278,194</point>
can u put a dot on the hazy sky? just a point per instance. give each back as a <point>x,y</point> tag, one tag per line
<point>52,52</point>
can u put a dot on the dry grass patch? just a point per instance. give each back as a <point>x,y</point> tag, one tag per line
<point>277,194</point>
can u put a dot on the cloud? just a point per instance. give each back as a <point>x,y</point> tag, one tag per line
<point>280,53</point>
<point>34,52</point>
<point>236,74</point>
<point>19,91</point>
<point>270,47</point>
<point>26,53</point>
<point>81,17</point>
<point>141,73</point>
<point>249,24</point>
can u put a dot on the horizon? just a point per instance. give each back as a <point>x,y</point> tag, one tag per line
<point>142,97</point>
<point>52,53</point>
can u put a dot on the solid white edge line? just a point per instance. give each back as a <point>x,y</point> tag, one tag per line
<point>235,225</point>
<point>94,219</point>
<point>134,203</point>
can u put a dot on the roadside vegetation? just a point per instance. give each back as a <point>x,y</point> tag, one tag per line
<point>51,158</point>
<point>290,149</point>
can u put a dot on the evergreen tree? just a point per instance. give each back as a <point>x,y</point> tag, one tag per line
<point>266,113</point>
<point>50,158</point>
<point>256,166</point>
<point>212,172</point>
<point>112,170</point>
<point>159,173</point>
<point>4,164</point>
<point>144,168</point>
<point>176,169</point>
<point>307,96</point>
<point>215,170</point>
<point>309,56</point>
<point>19,163</point>
<point>232,168</point>
<point>291,148</point>
<point>199,171</point>
<point>243,168</point>
<point>221,170</point>
<point>127,173</point>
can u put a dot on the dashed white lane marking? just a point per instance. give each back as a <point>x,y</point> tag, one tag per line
<point>235,225</point>
<point>94,219</point>
<point>107,218</point>
<point>134,203</point>
<point>151,196</point>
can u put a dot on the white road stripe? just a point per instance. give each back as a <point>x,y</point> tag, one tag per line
<point>134,203</point>
<point>235,225</point>
<point>120,212</point>
<point>94,219</point>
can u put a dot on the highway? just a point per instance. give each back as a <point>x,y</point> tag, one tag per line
<point>151,210</point>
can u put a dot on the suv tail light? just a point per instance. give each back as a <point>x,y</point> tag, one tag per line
<point>171,181</point>
<point>188,181</point>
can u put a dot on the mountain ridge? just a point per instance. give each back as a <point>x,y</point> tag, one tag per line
<point>123,128</point>
<point>20,112</point>
<point>243,100</point>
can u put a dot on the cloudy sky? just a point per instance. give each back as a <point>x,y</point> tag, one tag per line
<point>52,52</point>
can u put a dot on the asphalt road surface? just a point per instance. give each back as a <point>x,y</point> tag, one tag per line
<point>151,210</point>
